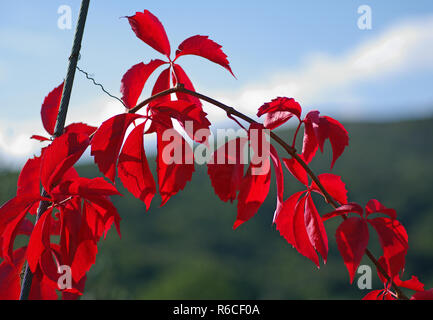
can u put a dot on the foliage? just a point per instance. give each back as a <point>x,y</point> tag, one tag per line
<point>73,212</point>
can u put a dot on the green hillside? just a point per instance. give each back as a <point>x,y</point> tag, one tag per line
<point>188,250</point>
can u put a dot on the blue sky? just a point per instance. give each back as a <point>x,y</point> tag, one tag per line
<point>310,50</point>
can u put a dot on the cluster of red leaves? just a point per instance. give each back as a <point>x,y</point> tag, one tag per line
<point>80,211</point>
<point>297,218</point>
<point>78,215</point>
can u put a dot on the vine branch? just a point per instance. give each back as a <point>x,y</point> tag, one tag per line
<point>289,149</point>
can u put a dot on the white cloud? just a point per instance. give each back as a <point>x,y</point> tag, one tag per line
<point>406,46</point>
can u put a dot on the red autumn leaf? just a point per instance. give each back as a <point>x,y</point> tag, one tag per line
<point>49,267</point>
<point>13,208</point>
<point>253,191</point>
<point>85,188</point>
<point>412,284</point>
<point>338,137</point>
<point>162,83</point>
<point>107,213</point>
<point>334,185</point>
<point>284,220</point>
<point>149,29</point>
<point>317,130</point>
<point>352,240</point>
<point>301,237</point>
<point>50,108</point>
<point>41,288</point>
<point>39,240</point>
<point>343,210</point>
<point>204,47</point>
<point>9,234</point>
<point>374,206</point>
<point>278,111</point>
<point>134,79</point>
<point>39,138</point>
<point>394,241</point>
<point>94,220</point>
<point>181,77</point>
<point>297,170</point>
<point>185,111</point>
<point>280,180</point>
<point>29,178</point>
<point>60,156</point>
<point>315,228</point>
<point>226,169</point>
<point>423,295</point>
<point>10,276</point>
<point>379,295</point>
<point>84,258</point>
<point>175,163</point>
<point>133,168</point>
<point>84,255</point>
<point>79,127</point>
<point>107,141</point>
<point>311,142</point>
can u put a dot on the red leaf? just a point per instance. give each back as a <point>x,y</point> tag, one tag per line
<point>379,295</point>
<point>412,284</point>
<point>149,29</point>
<point>107,214</point>
<point>310,143</point>
<point>80,127</point>
<point>284,220</point>
<point>41,288</point>
<point>29,178</point>
<point>133,168</point>
<point>301,237</point>
<point>10,279</point>
<point>278,111</point>
<point>280,180</point>
<point>134,79</point>
<point>374,206</point>
<point>297,170</point>
<point>394,242</point>
<point>60,156</point>
<point>352,240</point>
<point>39,138</point>
<point>50,108</point>
<point>39,240</point>
<point>162,83</point>
<point>184,112</point>
<point>253,191</point>
<point>317,130</point>
<point>334,185</point>
<point>13,208</point>
<point>315,228</point>
<point>181,77</point>
<point>107,141</point>
<point>338,137</point>
<point>343,210</point>
<point>204,47</point>
<point>85,187</point>
<point>85,253</point>
<point>9,234</point>
<point>423,295</point>
<point>226,169</point>
<point>175,163</point>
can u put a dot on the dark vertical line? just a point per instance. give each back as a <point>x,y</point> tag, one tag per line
<point>60,123</point>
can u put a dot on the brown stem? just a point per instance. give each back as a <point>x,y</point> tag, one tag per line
<point>290,150</point>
